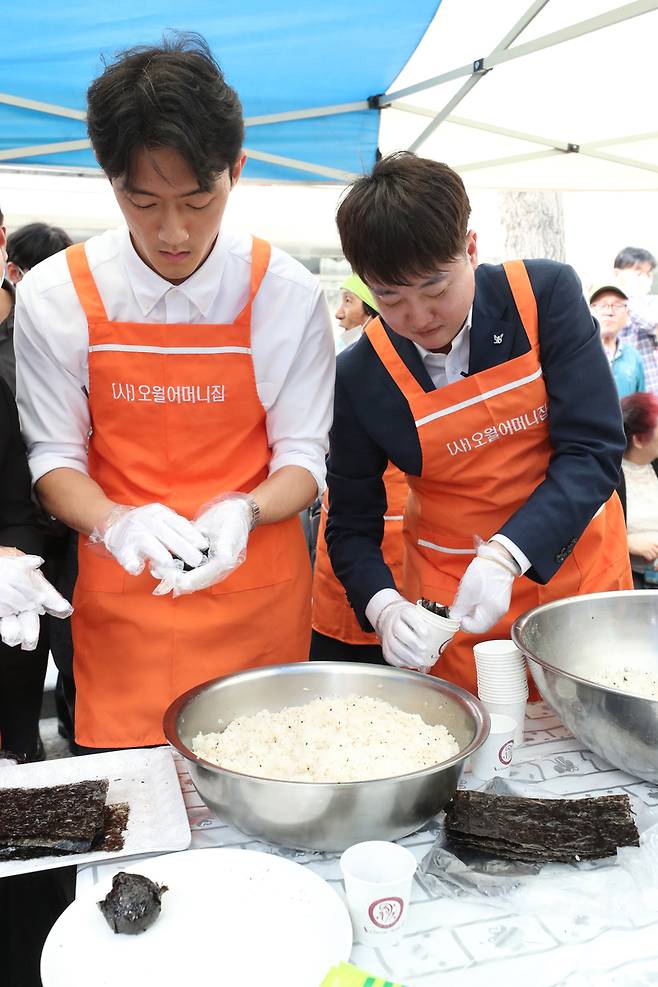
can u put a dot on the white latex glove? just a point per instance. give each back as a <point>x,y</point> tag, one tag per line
<point>404,636</point>
<point>154,534</point>
<point>25,594</point>
<point>484,594</point>
<point>226,524</point>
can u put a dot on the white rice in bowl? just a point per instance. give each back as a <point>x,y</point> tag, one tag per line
<point>328,740</point>
<point>637,681</point>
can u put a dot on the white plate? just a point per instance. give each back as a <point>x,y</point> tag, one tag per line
<point>230,917</point>
<point>146,779</point>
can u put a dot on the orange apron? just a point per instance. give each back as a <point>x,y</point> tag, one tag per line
<point>485,447</point>
<point>176,419</point>
<point>332,613</point>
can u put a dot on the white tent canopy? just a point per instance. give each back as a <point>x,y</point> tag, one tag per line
<point>550,94</point>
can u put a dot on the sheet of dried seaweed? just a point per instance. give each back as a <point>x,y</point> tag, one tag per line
<point>438,608</point>
<point>114,826</point>
<point>56,820</point>
<point>560,830</point>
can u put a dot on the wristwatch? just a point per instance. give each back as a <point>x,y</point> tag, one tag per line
<point>255,514</point>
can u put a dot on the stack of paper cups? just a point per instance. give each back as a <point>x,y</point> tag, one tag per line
<point>502,681</point>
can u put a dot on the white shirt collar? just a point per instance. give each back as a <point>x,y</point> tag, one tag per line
<point>459,344</point>
<point>201,288</point>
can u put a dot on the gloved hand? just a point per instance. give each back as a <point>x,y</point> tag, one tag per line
<point>226,524</point>
<point>25,594</point>
<point>404,636</point>
<point>484,594</point>
<point>152,533</point>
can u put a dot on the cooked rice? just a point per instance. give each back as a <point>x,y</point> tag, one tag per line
<point>357,738</point>
<point>637,681</point>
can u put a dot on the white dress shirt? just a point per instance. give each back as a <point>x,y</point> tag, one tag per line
<point>291,340</point>
<point>446,368</point>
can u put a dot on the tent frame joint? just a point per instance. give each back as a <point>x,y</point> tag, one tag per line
<point>479,67</point>
<point>573,149</point>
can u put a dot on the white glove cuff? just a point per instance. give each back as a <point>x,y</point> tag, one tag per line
<point>488,550</point>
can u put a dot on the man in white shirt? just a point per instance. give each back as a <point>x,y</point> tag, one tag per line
<point>200,365</point>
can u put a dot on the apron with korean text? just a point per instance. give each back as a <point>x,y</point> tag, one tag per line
<point>176,419</point>
<point>332,613</point>
<point>486,446</point>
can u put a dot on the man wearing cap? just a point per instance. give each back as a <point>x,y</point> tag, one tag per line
<point>336,632</point>
<point>488,386</point>
<point>609,305</point>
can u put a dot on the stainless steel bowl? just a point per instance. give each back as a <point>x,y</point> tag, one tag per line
<point>567,642</point>
<point>322,816</point>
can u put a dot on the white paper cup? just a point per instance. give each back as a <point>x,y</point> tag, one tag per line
<point>494,757</point>
<point>441,630</point>
<point>515,710</point>
<point>487,651</point>
<point>378,877</point>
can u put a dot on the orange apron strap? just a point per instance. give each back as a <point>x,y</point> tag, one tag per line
<point>261,252</point>
<point>390,358</point>
<point>524,298</point>
<point>84,284</point>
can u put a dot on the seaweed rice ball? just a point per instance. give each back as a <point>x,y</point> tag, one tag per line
<point>133,904</point>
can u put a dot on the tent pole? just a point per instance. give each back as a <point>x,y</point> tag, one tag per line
<point>335,173</point>
<point>611,17</point>
<point>478,72</point>
<point>37,149</point>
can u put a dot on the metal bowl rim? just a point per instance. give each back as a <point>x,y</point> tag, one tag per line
<point>520,622</point>
<point>481,718</point>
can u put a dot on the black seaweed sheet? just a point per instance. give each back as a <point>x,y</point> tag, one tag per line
<point>562,830</point>
<point>56,820</point>
<point>438,608</point>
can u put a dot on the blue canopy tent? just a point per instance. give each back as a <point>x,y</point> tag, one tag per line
<point>308,76</point>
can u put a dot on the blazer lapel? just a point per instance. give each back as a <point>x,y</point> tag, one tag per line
<point>411,358</point>
<point>492,341</point>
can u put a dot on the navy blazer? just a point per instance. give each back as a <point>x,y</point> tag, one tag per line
<point>373,424</point>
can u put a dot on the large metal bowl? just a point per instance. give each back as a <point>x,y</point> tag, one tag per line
<point>322,816</point>
<point>567,642</point>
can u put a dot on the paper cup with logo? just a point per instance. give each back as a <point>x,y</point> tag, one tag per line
<point>441,630</point>
<point>494,757</point>
<point>378,877</point>
<point>515,709</point>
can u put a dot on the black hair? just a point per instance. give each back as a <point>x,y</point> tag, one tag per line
<point>29,245</point>
<point>172,95</point>
<point>403,219</point>
<point>630,256</point>
<point>369,310</point>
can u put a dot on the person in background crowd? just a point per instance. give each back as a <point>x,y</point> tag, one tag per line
<point>7,359</point>
<point>29,903</point>
<point>354,312</point>
<point>488,386</point>
<point>184,427</point>
<point>25,248</point>
<point>30,244</point>
<point>609,305</point>
<point>640,412</point>
<point>336,633</point>
<point>25,595</point>
<point>634,271</point>
<point>19,251</point>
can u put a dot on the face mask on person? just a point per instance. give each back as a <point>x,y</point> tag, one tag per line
<point>634,282</point>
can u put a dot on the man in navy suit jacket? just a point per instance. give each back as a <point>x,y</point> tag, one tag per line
<point>404,230</point>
